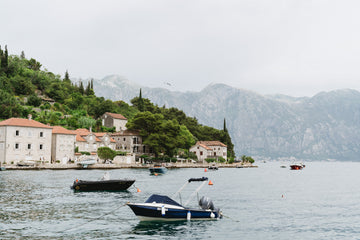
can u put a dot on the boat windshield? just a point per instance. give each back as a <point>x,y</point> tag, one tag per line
<point>162,199</point>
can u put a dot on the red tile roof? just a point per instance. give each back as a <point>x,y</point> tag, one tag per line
<point>22,122</point>
<point>116,115</point>
<point>61,130</point>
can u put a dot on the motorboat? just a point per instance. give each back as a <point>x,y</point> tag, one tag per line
<point>163,208</point>
<point>297,166</point>
<point>157,169</point>
<point>213,167</point>
<point>104,184</point>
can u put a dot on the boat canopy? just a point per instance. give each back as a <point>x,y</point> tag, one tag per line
<point>162,199</point>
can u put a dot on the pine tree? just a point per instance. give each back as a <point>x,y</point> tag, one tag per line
<point>225,129</point>
<point>22,56</point>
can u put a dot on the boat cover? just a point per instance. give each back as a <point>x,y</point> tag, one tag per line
<point>162,199</point>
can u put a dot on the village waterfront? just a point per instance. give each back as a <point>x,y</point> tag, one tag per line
<point>319,202</point>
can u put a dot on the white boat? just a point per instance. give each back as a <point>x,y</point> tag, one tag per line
<point>86,162</point>
<point>163,208</point>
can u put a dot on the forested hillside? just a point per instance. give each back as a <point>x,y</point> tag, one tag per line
<point>27,89</point>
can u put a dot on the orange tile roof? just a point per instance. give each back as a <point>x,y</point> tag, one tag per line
<point>211,143</point>
<point>204,146</point>
<point>61,130</point>
<point>22,122</point>
<point>116,115</point>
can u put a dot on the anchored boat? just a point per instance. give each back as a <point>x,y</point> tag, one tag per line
<point>157,169</point>
<point>104,184</point>
<point>164,208</point>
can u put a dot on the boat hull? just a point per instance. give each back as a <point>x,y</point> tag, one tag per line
<point>104,185</point>
<point>155,213</point>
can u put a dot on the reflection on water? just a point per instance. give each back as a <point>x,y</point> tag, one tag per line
<point>180,229</point>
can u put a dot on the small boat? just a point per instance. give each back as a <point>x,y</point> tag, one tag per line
<point>157,169</point>
<point>85,163</point>
<point>163,208</point>
<point>104,184</point>
<point>213,167</point>
<point>297,166</point>
<point>27,163</point>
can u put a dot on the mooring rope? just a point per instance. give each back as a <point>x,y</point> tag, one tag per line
<point>94,219</point>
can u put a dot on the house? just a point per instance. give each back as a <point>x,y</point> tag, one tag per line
<point>87,141</point>
<point>114,120</point>
<point>62,145</point>
<point>209,149</point>
<point>24,140</point>
<point>130,141</point>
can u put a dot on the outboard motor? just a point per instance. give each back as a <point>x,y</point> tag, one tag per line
<point>205,203</point>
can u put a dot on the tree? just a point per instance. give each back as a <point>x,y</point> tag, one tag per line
<point>86,122</point>
<point>106,153</point>
<point>34,100</point>
<point>66,77</point>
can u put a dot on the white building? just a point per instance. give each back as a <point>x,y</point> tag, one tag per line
<point>23,140</point>
<point>209,149</point>
<point>63,145</point>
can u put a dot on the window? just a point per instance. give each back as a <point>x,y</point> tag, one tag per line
<point>29,146</point>
<point>124,139</point>
<point>17,146</point>
<point>41,134</point>
<point>201,153</point>
<point>41,147</point>
<point>17,133</point>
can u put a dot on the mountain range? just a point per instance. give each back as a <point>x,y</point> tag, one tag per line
<point>323,127</point>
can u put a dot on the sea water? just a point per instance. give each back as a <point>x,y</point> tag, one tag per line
<point>269,202</point>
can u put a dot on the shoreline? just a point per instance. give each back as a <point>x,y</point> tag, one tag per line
<point>117,166</point>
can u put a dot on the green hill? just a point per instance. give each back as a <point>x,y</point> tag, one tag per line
<point>26,89</point>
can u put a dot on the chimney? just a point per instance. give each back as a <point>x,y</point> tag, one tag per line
<point>29,116</point>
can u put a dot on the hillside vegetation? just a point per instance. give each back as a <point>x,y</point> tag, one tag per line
<point>27,89</point>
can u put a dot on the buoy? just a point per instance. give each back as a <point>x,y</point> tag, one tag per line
<point>155,174</point>
<point>77,180</point>
<point>138,190</point>
<point>212,215</point>
<point>188,215</point>
<point>282,195</point>
<point>205,170</point>
<point>210,182</point>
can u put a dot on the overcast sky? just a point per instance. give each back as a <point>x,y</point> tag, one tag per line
<point>293,47</point>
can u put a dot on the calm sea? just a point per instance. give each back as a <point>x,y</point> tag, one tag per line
<point>322,201</point>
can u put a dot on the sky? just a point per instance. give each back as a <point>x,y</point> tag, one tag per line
<point>292,47</point>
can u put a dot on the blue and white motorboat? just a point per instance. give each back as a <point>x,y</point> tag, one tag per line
<point>157,169</point>
<point>163,208</point>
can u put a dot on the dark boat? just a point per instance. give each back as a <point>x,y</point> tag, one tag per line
<point>157,169</point>
<point>102,185</point>
<point>163,208</point>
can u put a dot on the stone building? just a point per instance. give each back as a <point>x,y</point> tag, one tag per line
<point>114,120</point>
<point>130,141</point>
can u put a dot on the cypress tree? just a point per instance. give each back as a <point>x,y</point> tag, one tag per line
<point>141,102</point>
<point>81,88</point>
<point>66,77</point>
<point>225,129</point>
